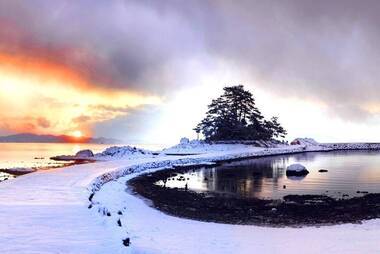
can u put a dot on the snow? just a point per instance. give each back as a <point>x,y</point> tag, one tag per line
<point>85,153</point>
<point>111,153</point>
<point>184,140</point>
<point>152,231</point>
<point>306,141</point>
<point>119,152</point>
<point>46,212</point>
<point>201,147</point>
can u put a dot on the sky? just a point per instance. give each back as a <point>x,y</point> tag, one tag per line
<point>145,71</point>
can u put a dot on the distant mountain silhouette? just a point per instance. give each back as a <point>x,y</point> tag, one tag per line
<point>34,138</point>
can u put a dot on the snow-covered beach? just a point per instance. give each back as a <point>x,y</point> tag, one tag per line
<point>47,212</point>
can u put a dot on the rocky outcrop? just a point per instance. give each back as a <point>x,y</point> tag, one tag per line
<point>84,153</point>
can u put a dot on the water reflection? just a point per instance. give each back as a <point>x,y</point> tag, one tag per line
<point>348,173</point>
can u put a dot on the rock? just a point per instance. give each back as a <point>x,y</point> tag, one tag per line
<point>90,197</point>
<point>126,242</point>
<point>184,141</point>
<point>305,142</point>
<point>84,153</point>
<point>296,170</point>
<point>323,171</point>
<point>119,222</point>
<point>18,171</point>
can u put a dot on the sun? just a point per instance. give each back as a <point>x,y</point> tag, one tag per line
<point>77,134</point>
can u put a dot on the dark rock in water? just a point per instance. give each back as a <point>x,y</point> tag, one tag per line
<point>108,214</point>
<point>297,173</point>
<point>296,170</point>
<point>84,153</point>
<point>323,171</point>
<point>127,242</point>
<point>119,222</point>
<point>91,196</point>
<point>119,213</point>
<point>90,206</point>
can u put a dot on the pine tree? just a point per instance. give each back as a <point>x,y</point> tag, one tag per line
<point>278,130</point>
<point>234,116</point>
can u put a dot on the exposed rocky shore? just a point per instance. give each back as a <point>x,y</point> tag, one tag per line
<point>292,210</point>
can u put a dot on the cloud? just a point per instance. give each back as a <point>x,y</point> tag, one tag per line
<point>110,108</point>
<point>81,119</point>
<point>43,122</point>
<point>325,51</point>
<point>131,127</point>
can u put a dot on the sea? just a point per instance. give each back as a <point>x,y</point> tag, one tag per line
<point>37,155</point>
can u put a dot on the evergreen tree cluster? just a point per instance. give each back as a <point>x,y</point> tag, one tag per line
<point>234,116</point>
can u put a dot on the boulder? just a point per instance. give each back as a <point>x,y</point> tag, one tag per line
<point>296,170</point>
<point>184,141</point>
<point>84,153</point>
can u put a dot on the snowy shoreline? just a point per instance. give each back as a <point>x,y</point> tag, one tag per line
<point>57,202</point>
<point>121,176</point>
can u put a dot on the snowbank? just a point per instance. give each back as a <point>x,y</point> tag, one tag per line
<point>123,152</point>
<point>305,142</point>
<point>111,153</point>
<point>84,153</point>
<point>201,147</point>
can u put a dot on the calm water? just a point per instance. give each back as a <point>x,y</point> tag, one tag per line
<point>348,172</point>
<point>37,155</point>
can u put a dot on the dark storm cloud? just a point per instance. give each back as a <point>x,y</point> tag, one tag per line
<point>322,50</point>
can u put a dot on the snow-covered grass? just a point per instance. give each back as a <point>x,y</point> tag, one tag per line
<point>46,212</point>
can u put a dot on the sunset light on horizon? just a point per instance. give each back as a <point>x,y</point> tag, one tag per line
<point>42,97</point>
<point>149,77</point>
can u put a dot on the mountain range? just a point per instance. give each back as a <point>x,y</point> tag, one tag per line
<point>34,138</point>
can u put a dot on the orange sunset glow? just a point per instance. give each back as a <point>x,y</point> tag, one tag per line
<point>43,97</point>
